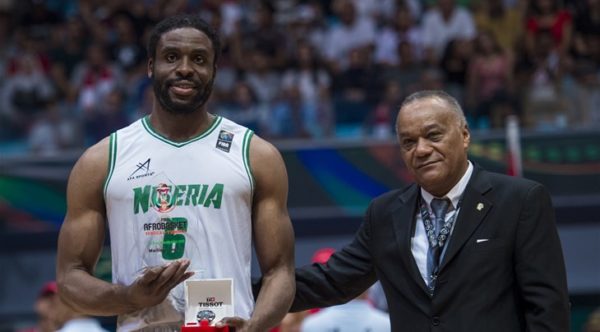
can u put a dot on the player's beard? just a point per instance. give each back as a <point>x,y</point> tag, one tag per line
<point>161,91</point>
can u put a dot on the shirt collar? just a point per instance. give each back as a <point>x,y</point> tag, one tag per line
<point>456,192</point>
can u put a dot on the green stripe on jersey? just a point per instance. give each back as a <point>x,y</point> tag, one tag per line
<point>112,159</point>
<point>246,156</point>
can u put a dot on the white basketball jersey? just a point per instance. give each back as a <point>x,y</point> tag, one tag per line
<point>168,200</point>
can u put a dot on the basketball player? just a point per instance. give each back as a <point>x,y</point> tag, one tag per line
<point>183,192</point>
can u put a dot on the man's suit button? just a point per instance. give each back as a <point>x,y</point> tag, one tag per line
<point>435,321</point>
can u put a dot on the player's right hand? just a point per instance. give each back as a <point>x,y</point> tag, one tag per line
<point>155,283</point>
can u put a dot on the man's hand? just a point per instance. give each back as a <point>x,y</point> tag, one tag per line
<point>155,283</point>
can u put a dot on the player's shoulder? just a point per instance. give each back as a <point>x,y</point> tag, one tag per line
<point>228,124</point>
<point>262,149</point>
<point>94,160</point>
<point>266,163</point>
<point>98,151</point>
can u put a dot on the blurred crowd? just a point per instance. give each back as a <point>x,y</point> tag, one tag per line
<point>74,71</point>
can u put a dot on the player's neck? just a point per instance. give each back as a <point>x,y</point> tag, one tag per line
<point>180,127</point>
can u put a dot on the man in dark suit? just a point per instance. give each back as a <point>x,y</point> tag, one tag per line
<point>488,260</point>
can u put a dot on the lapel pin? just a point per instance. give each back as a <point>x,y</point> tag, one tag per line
<point>479,206</point>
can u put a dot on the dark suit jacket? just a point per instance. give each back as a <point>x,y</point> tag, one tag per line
<point>512,279</point>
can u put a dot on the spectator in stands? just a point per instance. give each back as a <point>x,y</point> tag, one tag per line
<point>378,10</point>
<point>455,66</point>
<point>53,131</point>
<point>228,70</point>
<point>407,72</point>
<point>586,42</point>
<point>67,50</point>
<point>262,36</point>
<point>95,78</point>
<point>381,119</point>
<point>544,103</point>
<point>352,33</point>
<point>142,102</point>
<point>504,24</point>
<point>307,73</point>
<point>5,42</point>
<point>355,91</point>
<point>489,82</point>
<point>293,117</point>
<point>39,20</point>
<point>443,23</point>
<point>26,44</point>
<point>107,117</point>
<point>549,16</point>
<point>431,78</point>
<point>24,94</point>
<point>126,49</point>
<point>262,77</point>
<point>309,23</point>
<point>583,95</point>
<point>244,108</point>
<point>402,30</point>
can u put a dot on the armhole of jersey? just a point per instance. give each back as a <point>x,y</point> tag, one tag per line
<point>112,157</point>
<point>246,156</point>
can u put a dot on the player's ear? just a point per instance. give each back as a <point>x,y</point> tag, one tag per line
<point>150,68</point>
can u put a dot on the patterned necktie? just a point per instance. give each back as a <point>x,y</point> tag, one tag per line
<point>439,208</point>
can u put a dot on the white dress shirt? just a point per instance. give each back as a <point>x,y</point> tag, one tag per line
<point>419,242</point>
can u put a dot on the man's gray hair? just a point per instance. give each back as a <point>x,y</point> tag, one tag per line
<point>436,94</point>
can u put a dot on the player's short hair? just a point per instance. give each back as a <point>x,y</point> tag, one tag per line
<point>184,21</point>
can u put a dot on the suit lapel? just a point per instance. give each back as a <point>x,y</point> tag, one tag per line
<point>403,215</point>
<point>473,210</point>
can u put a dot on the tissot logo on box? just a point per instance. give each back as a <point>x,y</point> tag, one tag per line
<point>209,299</point>
<point>224,141</point>
<point>211,302</point>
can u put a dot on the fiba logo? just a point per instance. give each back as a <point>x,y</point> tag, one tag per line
<point>224,141</point>
<point>164,201</point>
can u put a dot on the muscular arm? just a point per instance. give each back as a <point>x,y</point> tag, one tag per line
<point>347,274</point>
<point>273,235</point>
<point>540,267</point>
<point>80,244</point>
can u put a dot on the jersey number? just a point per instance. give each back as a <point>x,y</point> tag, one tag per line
<point>174,240</point>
